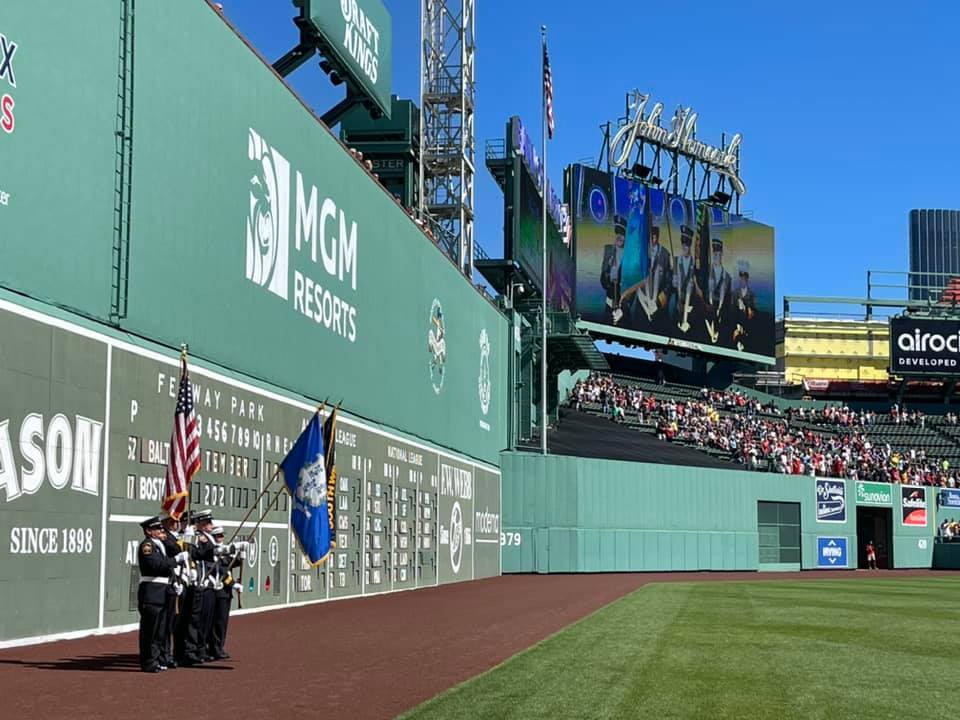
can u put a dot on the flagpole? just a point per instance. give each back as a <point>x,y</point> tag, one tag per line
<point>184,349</point>
<point>543,310</point>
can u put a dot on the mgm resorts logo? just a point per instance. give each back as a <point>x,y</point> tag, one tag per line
<point>322,238</point>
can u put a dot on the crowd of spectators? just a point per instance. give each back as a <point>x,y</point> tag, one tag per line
<point>950,530</point>
<point>762,437</point>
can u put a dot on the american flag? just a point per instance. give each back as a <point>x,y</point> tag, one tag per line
<point>184,460</point>
<point>548,91</point>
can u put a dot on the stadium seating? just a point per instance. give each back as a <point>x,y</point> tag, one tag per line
<point>731,426</point>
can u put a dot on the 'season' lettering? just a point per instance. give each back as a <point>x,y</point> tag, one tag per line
<point>56,451</point>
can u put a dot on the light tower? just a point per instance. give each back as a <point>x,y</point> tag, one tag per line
<point>447,142</point>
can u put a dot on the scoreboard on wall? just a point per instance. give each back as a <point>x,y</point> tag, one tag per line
<point>89,413</point>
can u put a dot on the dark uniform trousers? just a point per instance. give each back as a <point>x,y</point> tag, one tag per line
<point>170,609</point>
<point>196,612</point>
<point>155,569</point>
<point>221,609</point>
<point>221,616</point>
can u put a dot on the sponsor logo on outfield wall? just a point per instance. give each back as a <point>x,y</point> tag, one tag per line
<point>872,493</point>
<point>949,498</point>
<point>831,501</point>
<point>832,552</point>
<point>913,501</point>
<point>8,81</point>
<point>323,262</point>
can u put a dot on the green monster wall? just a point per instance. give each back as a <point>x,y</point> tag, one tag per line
<point>567,514</point>
<point>84,435</point>
<point>162,178</point>
<point>57,182</point>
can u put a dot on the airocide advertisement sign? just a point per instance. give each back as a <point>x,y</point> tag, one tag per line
<point>913,501</point>
<point>924,347</point>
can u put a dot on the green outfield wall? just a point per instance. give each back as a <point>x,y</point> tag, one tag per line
<point>568,514</point>
<point>85,424</point>
<point>58,162</point>
<point>162,178</point>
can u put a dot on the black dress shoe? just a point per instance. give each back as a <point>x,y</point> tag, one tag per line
<point>223,656</point>
<point>153,669</point>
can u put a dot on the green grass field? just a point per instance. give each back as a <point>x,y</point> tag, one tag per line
<point>807,649</point>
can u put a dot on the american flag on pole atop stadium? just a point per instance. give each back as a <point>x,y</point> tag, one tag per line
<point>548,90</point>
<point>184,459</point>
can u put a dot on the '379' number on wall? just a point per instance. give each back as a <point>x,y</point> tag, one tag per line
<point>510,538</point>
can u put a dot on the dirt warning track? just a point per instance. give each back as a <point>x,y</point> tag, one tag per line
<point>364,658</point>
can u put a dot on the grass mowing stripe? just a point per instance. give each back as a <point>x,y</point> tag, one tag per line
<point>546,679</point>
<point>812,649</point>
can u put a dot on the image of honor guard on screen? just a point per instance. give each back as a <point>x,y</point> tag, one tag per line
<point>718,295</point>
<point>685,287</point>
<point>746,305</point>
<point>646,302</point>
<point>610,270</point>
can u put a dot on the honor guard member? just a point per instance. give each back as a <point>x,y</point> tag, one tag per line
<point>746,304</point>
<point>610,268</point>
<point>196,607</point>
<point>718,292</point>
<point>156,570</point>
<point>232,556</point>
<point>684,282</point>
<point>174,589</point>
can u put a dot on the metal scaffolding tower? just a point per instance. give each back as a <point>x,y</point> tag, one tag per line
<point>447,142</point>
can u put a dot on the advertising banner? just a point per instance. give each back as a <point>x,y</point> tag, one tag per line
<point>831,501</point>
<point>299,269</point>
<point>359,34</point>
<point>874,493</point>
<point>913,501</point>
<point>656,267</point>
<point>528,244</point>
<point>57,229</point>
<point>949,498</point>
<point>831,552</point>
<point>924,347</point>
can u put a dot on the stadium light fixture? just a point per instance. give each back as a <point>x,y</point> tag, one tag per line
<point>656,181</point>
<point>720,197</point>
<point>641,171</point>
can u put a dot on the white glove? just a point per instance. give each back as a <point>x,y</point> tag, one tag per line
<point>192,575</point>
<point>242,555</point>
<point>238,587</point>
<point>242,545</point>
<point>182,558</point>
<point>221,550</point>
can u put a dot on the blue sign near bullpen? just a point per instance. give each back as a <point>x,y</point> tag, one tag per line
<point>831,501</point>
<point>832,552</point>
<point>949,498</point>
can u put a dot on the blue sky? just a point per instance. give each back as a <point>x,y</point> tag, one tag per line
<point>848,109</point>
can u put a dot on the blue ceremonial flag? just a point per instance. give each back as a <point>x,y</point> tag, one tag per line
<point>304,472</point>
